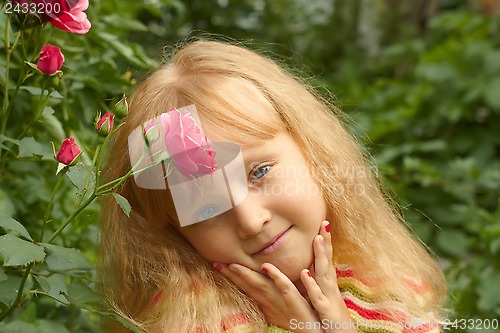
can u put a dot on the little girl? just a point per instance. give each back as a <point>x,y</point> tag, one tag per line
<point>303,240</point>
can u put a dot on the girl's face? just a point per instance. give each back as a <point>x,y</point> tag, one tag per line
<point>276,222</point>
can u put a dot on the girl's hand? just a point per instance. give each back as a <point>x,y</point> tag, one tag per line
<point>278,298</point>
<point>322,287</point>
<point>282,303</point>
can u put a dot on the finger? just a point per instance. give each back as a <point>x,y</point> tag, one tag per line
<point>321,262</point>
<point>324,271</point>
<point>251,281</point>
<point>232,275</point>
<point>289,291</point>
<point>325,232</point>
<point>319,300</point>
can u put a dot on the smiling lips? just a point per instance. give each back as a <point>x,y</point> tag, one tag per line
<point>274,244</point>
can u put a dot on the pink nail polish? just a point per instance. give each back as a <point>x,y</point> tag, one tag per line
<point>309,274</point>
<point>327,227</point>
<point>265,270</point>
<point>218,267</point>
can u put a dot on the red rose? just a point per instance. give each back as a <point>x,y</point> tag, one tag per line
<point>105,124</point>
<point>72,19</point>
<point>69,152</point>
<point>51,59</point>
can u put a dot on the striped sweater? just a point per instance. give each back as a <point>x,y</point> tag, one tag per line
<point>366,315</point>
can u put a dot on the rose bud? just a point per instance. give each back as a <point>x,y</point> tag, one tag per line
<point>105,124</point>
<point>151,132</point>
<point>121,107</point>
<point>69,152</point>
<point>51,60</point>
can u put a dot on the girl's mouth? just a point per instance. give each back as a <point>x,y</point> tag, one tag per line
<point>275,244</point>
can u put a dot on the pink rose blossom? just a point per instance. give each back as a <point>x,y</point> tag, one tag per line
<point>72,19</point>
<point>51,59</point>
<point>69,152</point>
<point>190,149</point>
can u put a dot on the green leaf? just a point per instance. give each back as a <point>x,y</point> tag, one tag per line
<point>18,327</point>
<point>57,287</point>
<point>53,126</point>
<point>9,288</point>
<point>3,276</point>
<point>6,206</point>
<point>78,176</point>
<point>32,65</point>
<point>121,320</point>
<point>123,203</point>
<point>29,147</point>
<point>489,280</point>
<point>50,326</point>
<point>452,242</point>
<point>491,93</point>
<point>123,49</point>
<point>118,21</point>
<point>18,252</point>
<point>4,147</point>
<point>29,312</point>
<point>495,246</point>
<point>4,138</point>
<point>10,224</point>
<point>37,92</point>
<point>43,282</point>
<point>80,294</point>
<point>60,259</point>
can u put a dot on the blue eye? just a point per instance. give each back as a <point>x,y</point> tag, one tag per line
<point>261,172</point>
<point>207,212</point>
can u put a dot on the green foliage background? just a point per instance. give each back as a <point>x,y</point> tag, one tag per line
<point>420,81</point>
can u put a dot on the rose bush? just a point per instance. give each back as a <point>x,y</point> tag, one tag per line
<point>188,146</point>
<point>48,212</point>
<point>51,59</point>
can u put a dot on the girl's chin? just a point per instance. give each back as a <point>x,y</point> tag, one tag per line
<point>293,262</point>
<point>293,273</point>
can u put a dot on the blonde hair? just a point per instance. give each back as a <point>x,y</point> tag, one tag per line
<point>145,254</point>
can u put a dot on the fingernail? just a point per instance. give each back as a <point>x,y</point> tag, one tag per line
<point>309,274</point>
<point>265,270</point>
<point>218,267</point>
<point>327,227</point>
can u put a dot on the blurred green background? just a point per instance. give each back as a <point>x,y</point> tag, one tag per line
<point>419,81</point>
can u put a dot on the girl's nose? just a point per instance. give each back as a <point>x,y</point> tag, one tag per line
<point>250,216</point>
